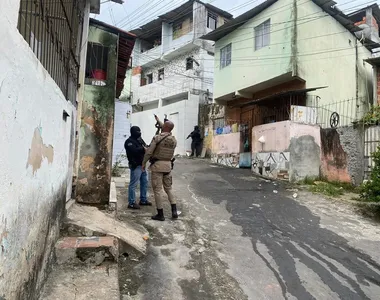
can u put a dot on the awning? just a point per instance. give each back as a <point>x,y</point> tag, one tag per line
<point>374,61</point>
<point>286,93</point>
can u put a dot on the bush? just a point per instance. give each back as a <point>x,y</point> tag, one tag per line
<point>116,172</point>
<point>372,117</point>
<point>370,191</point>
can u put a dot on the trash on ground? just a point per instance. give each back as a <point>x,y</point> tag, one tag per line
<point>275,191</point>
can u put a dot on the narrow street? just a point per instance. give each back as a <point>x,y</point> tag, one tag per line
<point>241,237</point>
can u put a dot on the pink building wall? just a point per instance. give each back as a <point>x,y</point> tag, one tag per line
<point>226,143</point>
<point>276,135</point>
<point>291,150</point>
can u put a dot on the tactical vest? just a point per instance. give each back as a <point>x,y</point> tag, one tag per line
<point>165,150</point>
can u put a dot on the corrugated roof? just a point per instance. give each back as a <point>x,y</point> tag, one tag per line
<point>285,93</point>
<point>148,29</point>
<point>327,5</point>
<point>227,28</point>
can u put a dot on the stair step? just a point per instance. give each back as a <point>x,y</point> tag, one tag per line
<point>86,268</point>
<point>86,242</point>
<point>92,250</point>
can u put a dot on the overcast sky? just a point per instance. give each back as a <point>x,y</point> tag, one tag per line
<point>134,13</point>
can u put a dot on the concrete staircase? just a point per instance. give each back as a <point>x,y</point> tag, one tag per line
<point>86,268</point>
<point>87,254</point>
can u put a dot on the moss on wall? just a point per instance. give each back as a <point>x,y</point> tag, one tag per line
<point>96,133</point>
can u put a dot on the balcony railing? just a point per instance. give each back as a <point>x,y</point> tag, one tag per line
<point>167,87</point>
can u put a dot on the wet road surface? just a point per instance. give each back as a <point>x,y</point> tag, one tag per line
<point>241,237</point>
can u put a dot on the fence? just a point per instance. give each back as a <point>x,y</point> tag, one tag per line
<point>342,113</point>
<point>53,29</point>
<point>371,142</point>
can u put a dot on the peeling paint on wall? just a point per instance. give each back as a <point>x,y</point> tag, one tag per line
<point>38,151</point>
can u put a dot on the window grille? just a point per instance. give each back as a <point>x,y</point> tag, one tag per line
<point>53,30</point>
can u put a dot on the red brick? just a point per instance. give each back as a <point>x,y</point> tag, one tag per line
<point>86,242</point>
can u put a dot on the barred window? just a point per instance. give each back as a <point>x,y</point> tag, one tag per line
<point>53,30</point>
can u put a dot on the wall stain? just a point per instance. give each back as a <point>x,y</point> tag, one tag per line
<point>86,163</point>
<point>38,151</point>
<point>3,236</point>
<point>331,147</point>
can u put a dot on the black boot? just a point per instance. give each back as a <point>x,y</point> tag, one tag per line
<point>174,211</point>
<point>159,216</point>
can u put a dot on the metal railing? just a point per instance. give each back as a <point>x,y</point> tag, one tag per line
<point>53,30</point>
<point>342,113</point>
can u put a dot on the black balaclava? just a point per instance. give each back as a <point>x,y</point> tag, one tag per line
<point>196,128</point>
<point>135,132</point>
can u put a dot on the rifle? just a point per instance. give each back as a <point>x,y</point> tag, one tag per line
<point>143,142</point>
<point>158,125</point>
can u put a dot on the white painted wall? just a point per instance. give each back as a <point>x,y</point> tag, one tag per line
<point>31,202</point>
<point>122,130</point>
<point>176,80</point>
<point>187,111</point>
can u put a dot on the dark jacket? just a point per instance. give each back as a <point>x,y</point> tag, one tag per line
<point>135,152</point>
<point>196,136</point>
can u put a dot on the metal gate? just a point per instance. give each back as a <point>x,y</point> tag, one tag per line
<point>371,142</point>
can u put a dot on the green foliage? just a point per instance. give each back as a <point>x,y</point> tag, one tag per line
<point>372,117</point>
<point>116,169</point>
<point>327,189</point>
<point>370,191</point>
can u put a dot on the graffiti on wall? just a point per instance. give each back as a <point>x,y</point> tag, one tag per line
<point>228,160</point>
<point>271,164</point>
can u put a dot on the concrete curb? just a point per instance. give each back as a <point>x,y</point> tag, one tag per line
<point>113,197</point>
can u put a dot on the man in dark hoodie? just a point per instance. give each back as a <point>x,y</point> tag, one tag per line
<point>196,142</point>
<point>134,146</point>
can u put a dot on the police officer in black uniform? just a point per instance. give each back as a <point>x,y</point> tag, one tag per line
<point>135,148</point>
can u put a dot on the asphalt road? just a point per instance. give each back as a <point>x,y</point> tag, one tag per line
<point>241,237</point>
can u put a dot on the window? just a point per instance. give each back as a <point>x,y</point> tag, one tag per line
<point>54,35</point>
<point>161,74</point>
<point>225,56</point>
<point>96,64</point>
<point>177,28</point>
<point>182,27</point>
<point>189,63</point>
<point>149,78</point>
<point>262,35</point>
<point>212,20</point>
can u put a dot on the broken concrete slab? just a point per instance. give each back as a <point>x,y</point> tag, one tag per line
<point>82,283</point>
<point>96,220</point>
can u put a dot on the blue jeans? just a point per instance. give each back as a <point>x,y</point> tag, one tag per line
<point>137,175</point>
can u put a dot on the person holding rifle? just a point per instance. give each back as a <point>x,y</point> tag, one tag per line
<point>160,154</point>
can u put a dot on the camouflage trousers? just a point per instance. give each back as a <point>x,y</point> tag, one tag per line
<point>160,180</point>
